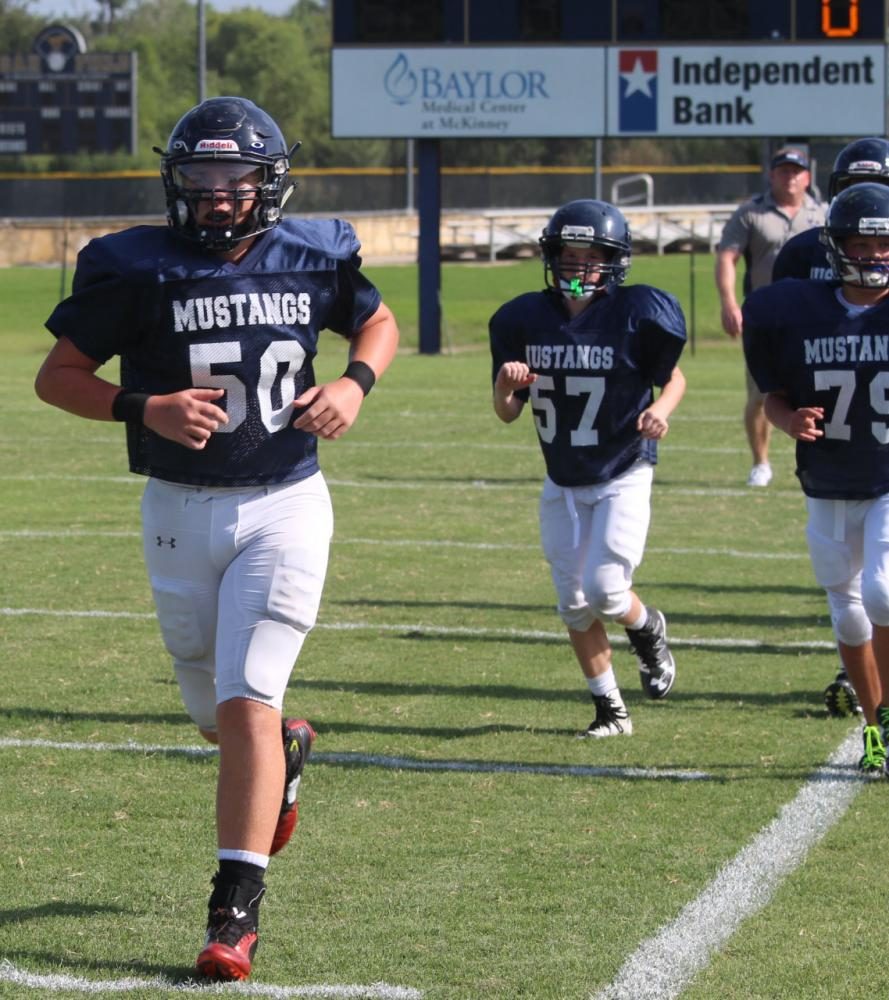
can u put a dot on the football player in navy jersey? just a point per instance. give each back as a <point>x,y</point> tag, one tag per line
<point>805,256</point>
<point>820,351</point>
<point>216,320</point>
<point>586,353</point>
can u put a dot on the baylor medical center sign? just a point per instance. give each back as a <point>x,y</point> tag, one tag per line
<point>512,92</point>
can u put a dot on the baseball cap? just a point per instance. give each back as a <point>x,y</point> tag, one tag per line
<point>790,155</point>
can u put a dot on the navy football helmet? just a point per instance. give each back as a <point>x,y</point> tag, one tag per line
<point>586,223</point>
<point>862,160</point>
<point>229,146</point>
<point>861,210</point>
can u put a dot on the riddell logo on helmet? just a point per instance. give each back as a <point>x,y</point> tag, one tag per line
<point>223,145</point>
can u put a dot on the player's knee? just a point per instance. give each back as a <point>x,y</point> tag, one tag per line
<point>609,598</point>
<point>271,653</point>
<point>875,598</point>
<point>851,625</point>
<point>579,618</point>
<point>198,690</point>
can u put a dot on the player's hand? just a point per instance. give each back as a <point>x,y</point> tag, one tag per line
<point>330,409</point>
<point>803,424</point>
<point>513,375</point>
<point>651,426</point>
<point>732,321</point>
<point>188,417</point>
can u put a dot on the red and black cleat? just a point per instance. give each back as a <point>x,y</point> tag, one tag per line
<point>298,738</point>
<point>232,933</point>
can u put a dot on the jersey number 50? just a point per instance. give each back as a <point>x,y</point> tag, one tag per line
<point>280,352</point>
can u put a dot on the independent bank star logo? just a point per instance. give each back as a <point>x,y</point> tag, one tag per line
<point>637,90</point>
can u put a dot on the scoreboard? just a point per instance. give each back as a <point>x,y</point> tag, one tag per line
<point>61,99</point>
<point>659,68</point>
<point>614,22</point>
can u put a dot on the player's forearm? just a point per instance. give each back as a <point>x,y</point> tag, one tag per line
<point>778,411</point>
<point>671,394</point>
<point>507,405</point>
<point>76,390</point>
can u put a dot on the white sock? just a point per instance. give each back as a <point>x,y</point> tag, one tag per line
<point>602,683</point>
<point>640,622</point>
<point>251,857</point>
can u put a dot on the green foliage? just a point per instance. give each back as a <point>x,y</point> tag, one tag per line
<point>283,63</point>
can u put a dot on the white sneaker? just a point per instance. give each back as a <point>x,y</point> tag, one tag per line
<point>760,475</point>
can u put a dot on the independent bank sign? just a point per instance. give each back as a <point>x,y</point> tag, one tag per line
<point>535,91</point>
<point>747,90</point>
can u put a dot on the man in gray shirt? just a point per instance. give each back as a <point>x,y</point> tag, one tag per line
<point>756,231</point>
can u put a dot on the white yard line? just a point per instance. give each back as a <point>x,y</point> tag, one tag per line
<point>418,628</point>
<point>664,965</point>
<point>52,983</point>
<point>377,760</point>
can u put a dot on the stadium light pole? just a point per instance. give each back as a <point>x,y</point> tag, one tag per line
<point>202,53</point>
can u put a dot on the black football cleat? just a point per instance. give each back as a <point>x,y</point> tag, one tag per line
<point>657,668</point>
<point>840,698</point>
<point>612,718</point>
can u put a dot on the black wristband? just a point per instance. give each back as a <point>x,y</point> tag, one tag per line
<point>361,373</point>
<point>129,406</point>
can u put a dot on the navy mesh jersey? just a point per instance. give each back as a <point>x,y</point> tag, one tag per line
<point>800,340</point>
<point>595,374</point>
<point>180,317</point>
<point>803,256</point>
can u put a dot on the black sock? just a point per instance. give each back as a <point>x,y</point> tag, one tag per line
<point>238,873</point>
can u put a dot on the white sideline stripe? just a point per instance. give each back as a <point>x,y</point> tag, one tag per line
<point>509,633</point>
<point>410,484</point>
<point>567,770</point>
<point>528,447</point>
<point>379,760</point>
<point>665,964</point>
<point>59,981</point>
<point>419,543</point>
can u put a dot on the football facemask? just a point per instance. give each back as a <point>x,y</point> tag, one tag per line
<point>861,210</point>
<point>225,149</point>
<point>580,277</point>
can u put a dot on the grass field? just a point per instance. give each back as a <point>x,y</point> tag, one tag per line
<point>455,841</point>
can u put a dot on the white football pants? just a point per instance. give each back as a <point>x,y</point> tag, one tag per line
<point>237,575</point>
<point>849,549</point>
<point>594,539</point>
